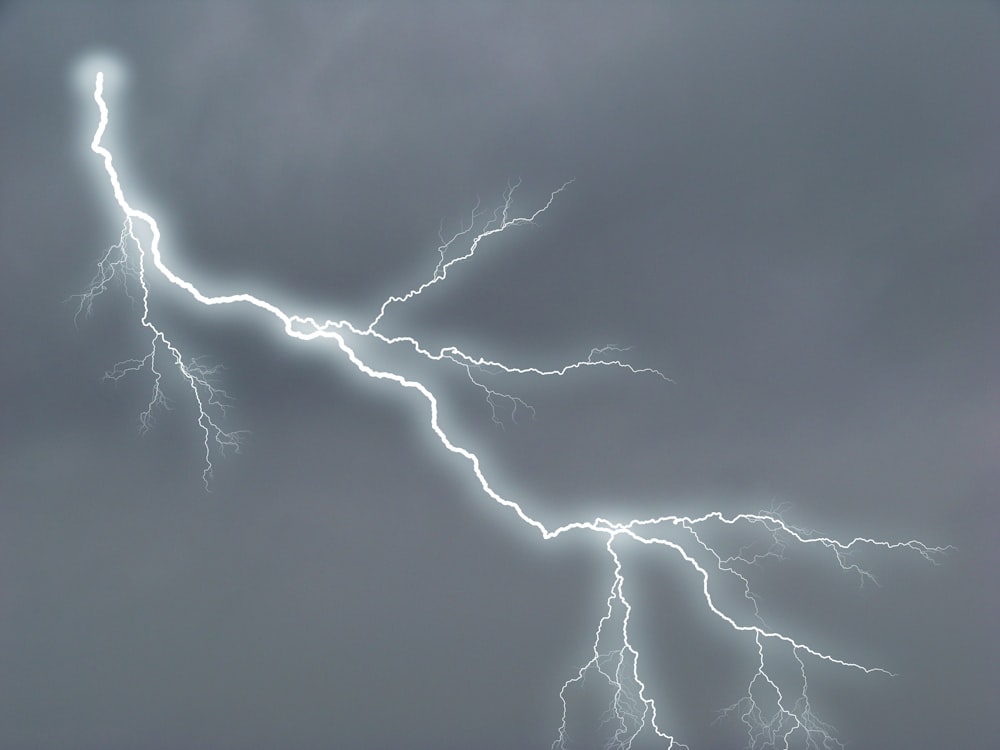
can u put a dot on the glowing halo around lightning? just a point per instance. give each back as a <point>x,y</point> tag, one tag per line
<point>774,709</point>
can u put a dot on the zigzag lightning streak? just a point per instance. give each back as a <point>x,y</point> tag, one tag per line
<point>775,714</point>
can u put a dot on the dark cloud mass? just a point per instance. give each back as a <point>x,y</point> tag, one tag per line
<point>789,208</point>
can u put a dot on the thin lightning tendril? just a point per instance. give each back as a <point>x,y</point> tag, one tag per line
<point>776,712</point>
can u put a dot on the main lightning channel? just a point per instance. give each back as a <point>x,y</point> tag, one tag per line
<point>630,710</point>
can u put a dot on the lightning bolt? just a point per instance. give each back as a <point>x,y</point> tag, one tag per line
<point>774,707</point>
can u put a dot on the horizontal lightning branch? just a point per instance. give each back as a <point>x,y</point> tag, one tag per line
<point>774,709</point>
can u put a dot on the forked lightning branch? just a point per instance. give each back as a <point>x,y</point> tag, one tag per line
<point>772,702</point>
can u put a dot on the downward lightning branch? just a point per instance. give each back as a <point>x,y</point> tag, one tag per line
<point>774,708</point>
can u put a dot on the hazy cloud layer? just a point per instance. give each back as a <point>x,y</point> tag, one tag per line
<point>790,209</point>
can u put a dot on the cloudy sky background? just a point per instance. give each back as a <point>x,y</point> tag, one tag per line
<point>789,208</point>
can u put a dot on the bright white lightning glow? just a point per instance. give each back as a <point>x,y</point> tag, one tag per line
<point>774,709</point>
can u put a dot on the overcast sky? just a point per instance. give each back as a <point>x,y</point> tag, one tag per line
<point>791,209</point>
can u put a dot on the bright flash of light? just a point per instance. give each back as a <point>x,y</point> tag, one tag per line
<point>774,708</point>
